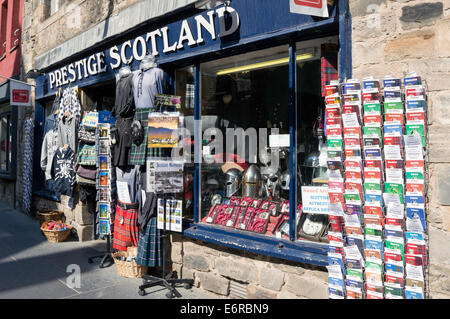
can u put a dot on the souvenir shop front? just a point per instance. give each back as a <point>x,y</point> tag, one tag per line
<point>217,116</point>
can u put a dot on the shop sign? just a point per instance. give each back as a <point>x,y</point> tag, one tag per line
<point>317,8</point>
<point>20,94</point>
<point>153,42</point>
<point>315,199</point>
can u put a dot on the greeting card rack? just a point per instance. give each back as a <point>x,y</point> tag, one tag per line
<point>105,189</point>
<point>377,161</point>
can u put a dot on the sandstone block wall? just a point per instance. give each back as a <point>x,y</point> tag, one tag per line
<point>228,273</point>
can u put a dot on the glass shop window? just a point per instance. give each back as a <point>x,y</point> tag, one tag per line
<point>184,87</point>
<point>243,98</point>
<point>311,140</point>
<point>5,143</point>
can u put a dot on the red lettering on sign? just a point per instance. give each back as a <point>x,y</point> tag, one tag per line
<point>20,96</point>
<point>309,3</point>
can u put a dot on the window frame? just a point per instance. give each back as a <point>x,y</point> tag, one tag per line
<point>308,252</point>
<point>10,172</point>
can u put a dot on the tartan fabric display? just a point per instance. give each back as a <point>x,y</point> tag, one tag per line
<point>328,66</point>
<point>149,247</point>
<point>126,231</point>
<point>138,153</point>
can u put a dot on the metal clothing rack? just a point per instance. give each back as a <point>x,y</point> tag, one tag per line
<point>150,281</point>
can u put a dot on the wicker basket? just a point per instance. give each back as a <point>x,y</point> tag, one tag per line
<point>49,215</point>
<point>129,269</point>
<point>55,236</point>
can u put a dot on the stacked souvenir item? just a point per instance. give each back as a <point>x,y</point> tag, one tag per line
<point>377,242</point>
<point>86,162</point>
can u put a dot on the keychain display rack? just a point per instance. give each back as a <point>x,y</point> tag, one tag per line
<point>377,138</point>
<point>105,184</point>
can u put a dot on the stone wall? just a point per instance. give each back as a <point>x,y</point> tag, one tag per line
<point>218,270</point>
<point>395,38</point>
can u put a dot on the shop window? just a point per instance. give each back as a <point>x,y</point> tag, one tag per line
<point>185,88</point>
<point>5,143</point>
<point>8,126</point>
<point>52,6</point>
<point>312,72</point>
<point>243,98</point>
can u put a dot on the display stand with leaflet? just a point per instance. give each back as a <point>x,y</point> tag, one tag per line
<point>150,281</point>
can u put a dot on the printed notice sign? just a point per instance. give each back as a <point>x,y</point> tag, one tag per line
<point>315,200</point>
<point>317,8</point>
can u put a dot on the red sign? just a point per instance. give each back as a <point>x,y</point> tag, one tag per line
<point>20,96</point>
<point>309,3</point>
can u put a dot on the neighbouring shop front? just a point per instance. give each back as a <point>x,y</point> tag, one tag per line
<point>224,117</point>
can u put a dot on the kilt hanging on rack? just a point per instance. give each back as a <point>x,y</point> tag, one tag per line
<point>149,248</point>
<point>126,232</point>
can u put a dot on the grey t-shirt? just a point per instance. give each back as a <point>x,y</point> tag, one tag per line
<point>131,176</point>
<point>146,84</point>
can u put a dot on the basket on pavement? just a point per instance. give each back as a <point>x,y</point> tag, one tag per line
<point>55,236</point>
<point>126,266</point>
<point>49,215</point>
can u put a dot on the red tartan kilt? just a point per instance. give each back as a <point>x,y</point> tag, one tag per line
<point>126,232</point>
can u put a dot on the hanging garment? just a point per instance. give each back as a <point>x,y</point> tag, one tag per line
<point>146,84</point>
<point>123,111</point>
<point>63,171</point>
<point>27,190</point>
<point>51,120</point>
<point>68,132</point>
<point>126,233</point>
<point>130,176</point>
<point>124,105</point>
<point>123,144</point>
<point>49,147</point>
<point>149,247</point>
<point>146,212</point>
<point>138,153</point>
<point>69,102</point>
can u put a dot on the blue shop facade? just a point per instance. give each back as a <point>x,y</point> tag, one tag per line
<point>245,66</point>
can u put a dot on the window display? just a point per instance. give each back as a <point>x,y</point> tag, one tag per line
<point>243,94</point>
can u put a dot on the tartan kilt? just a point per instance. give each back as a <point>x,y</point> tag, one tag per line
<point>138,153</point>
<point>126,232</point>
<point>149,247</point>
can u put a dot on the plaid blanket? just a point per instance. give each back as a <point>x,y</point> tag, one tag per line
<point>149,247</point>
<point>125,229</point>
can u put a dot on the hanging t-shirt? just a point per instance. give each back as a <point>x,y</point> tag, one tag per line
<point>64,173</point>
<point>130,177</point>
<point>146,84</point>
